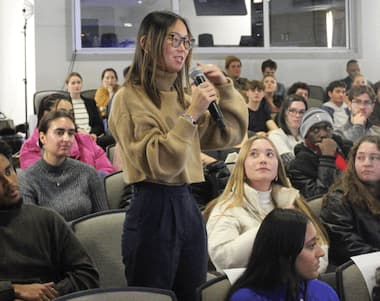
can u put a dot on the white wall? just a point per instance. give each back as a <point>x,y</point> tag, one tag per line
<point>54,51</point>
<point>12,88</point>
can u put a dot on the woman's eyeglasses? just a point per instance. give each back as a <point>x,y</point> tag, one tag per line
<point>296,112</point>
<point>177,40</point>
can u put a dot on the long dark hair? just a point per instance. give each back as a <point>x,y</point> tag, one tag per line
<point>154,29</point>
<point>281,116</point>
<point>354,190</point>
<point>271,265</point>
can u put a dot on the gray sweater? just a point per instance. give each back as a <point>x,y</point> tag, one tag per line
<point>73,188</point>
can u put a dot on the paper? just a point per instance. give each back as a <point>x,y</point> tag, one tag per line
<point>367,264</point>
<point>233,274</point>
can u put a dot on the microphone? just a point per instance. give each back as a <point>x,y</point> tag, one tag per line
<point>198,77</point>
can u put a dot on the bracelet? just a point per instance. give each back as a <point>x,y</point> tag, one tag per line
<point>189,118</point>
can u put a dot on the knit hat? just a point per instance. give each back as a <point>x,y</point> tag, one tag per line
<point>312,117</point>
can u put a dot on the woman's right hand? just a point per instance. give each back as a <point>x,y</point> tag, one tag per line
<point>202,96</point>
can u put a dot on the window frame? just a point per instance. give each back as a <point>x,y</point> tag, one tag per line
<point>219,52</point>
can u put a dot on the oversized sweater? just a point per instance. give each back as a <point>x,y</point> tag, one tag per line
<point>232,231</point>
<point>84,149</point>
<point>159,145</point>
<point>37,246</point>
<point>73,189</point>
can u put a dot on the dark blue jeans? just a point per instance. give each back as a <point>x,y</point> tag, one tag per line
<point>164,243</point>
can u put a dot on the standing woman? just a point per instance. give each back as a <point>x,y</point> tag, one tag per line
<point>289,122</point>
<point>284,262</point>
<point>86,113</point>
<point>70,187</point>
<point>161,130</point>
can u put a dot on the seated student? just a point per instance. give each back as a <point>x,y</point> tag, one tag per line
<point>375,115</point>
<point>257,185</point>
<point>259,113</point>
<point>68,186</point>
<point>105,93</point>
<point>336,105</point>
<point>273,100</point>
<point>320,158</point>
<point>41,258</point>
<point>288,134</point>
<point>83,149</point>
<point>351,209</point>
<point>284,262</point>
<point>361,103</point>
<point>269,67</point>
<point>300,88</point>
<point>85,111</point>
<point>233,69</point>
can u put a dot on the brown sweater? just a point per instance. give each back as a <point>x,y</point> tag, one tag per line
<point>158,145</point>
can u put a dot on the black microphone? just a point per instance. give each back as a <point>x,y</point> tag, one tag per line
<point>198,77</point>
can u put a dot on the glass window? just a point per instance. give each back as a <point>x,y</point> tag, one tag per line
<point>308,23</point>
<point>106,24</point>
<point>112,23</point>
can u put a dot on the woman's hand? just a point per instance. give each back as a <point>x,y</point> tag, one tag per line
<point>202,96</point>
<point>213,73</point>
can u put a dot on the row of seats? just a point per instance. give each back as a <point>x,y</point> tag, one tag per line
<point>39,95</point>
<point>348,282</point>
<point>100,234</point>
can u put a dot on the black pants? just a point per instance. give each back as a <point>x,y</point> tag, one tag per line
<point>164,241</point>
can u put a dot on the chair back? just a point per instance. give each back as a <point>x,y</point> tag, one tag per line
<point>88,93</point>
<point>114,186</point>
<point>314,102</point>
<point>110,151</point>
<point>317,92</point>
<point>205,40</point>
<point>315,205</point>
<point>214,289</point>
<point>39,95</point>
<point>100,234</point>
<point>121,294</point>
<point>351,284</point>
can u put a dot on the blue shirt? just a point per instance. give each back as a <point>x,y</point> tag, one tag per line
<point>316,291</point>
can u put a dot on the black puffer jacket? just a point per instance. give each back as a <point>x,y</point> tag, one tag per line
<point>352,230</point>
<point>312,174</point>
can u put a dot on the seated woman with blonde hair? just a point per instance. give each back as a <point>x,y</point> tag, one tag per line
<point>257,185</point>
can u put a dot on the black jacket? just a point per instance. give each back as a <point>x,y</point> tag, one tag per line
<point>352,230</point>
<point>95,120</point>
<point>312,174</point>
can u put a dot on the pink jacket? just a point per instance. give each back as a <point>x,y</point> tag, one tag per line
<point>84,149</point>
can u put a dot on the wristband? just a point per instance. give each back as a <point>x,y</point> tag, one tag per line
<point>189,118</point>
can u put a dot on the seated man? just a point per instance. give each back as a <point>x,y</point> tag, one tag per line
<point>336,106</point>
<point>320,158</point>
<point>41,258</point>
<point>300,88</point>
<point>269,67</point>
<point>233,69</point>
<point>361,103</point>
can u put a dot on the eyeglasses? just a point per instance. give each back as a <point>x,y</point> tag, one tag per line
<point>365,103</point>
<point>178,40</point>
<point>318,128</point>
<point>296,112</point>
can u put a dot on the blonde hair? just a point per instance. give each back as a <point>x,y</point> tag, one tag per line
<point>233,194</point>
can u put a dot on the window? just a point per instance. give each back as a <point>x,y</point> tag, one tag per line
<point>111,23</point>
<point>105,25</point>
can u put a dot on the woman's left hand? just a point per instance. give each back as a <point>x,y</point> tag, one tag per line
<point>213,73</point>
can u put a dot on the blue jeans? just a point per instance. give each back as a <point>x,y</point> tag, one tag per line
<point>164,243</point>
